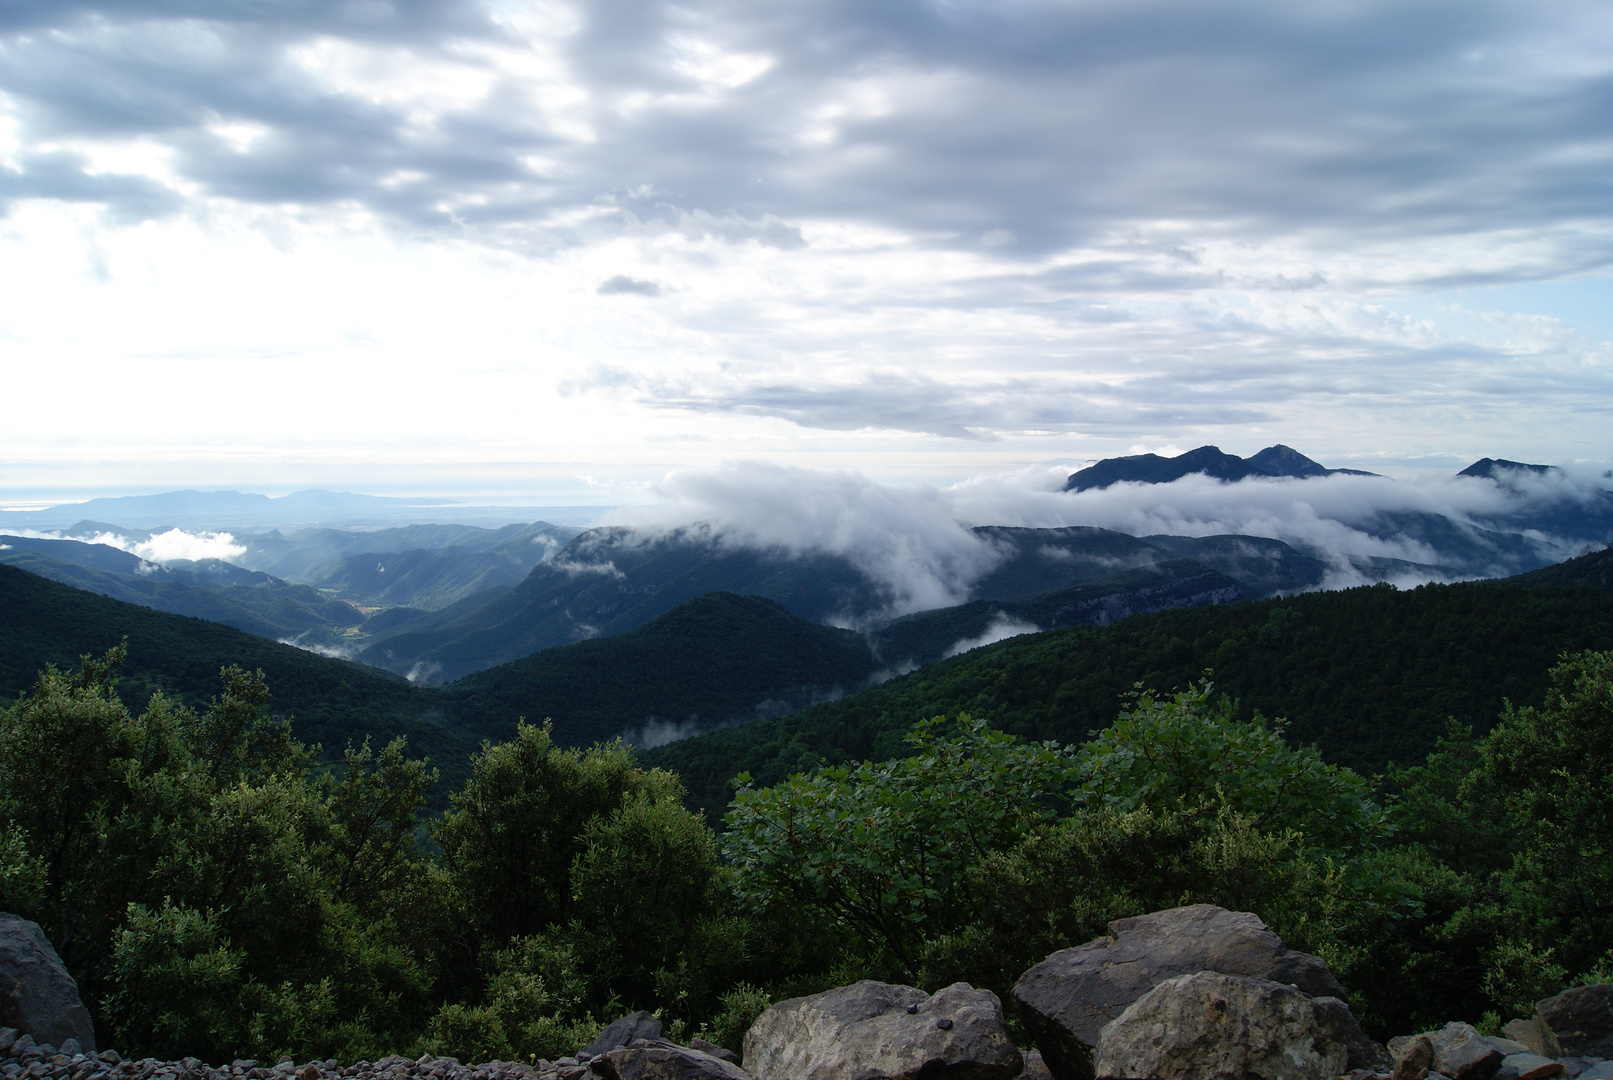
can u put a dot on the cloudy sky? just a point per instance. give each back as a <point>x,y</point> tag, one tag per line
<point>553,250</point>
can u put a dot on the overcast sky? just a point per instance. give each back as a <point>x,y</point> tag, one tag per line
<point>553,250</point>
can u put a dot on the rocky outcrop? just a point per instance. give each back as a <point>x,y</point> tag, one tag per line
<point>1067,999</point>
<point>873,1029</point>
<point>1582,1019</point>
<point>621,1033</point>
<point>37,995</point>
<point>1210,1026</point>
<point>644,1060</point>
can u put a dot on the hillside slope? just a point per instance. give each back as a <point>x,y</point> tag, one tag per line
<point>1369,675</point>
<point>331,701</point>
<point>711,660</point>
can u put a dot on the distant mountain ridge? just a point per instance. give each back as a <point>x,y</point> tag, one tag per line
<point>1273,461</point>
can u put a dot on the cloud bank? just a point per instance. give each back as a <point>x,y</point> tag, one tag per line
<point>915,541</point>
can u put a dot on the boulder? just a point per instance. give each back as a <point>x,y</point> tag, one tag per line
<point>874,1029</point>
<point>1456,1051</point>
<point>714,1050</point>
<point>1413,1057</point>
<point>37,995</point>
<point>1067,999</point>
<point>1538,1036</point>
<point>1582,1018</point>
<point>664,1062</point>
<point>1533,1066</point>
<point>616,1036</point>
<point>1210,1026</point>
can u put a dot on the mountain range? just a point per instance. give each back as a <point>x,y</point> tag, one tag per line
<point>436,602</point>
<point>1273,461</point>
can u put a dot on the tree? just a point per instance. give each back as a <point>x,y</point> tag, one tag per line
<point>885,848</point>
<point>1187,751</point>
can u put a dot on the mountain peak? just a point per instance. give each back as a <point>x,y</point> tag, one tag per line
<point>1273,461</point>
<point>1497,468</point>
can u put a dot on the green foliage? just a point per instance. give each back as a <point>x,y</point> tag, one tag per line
<point>1186,752</point>
<point>739,1009</point>
<point>531,1009</point>
<point>886,847</point>
<point>514,831</point>
<point>1369,676</point>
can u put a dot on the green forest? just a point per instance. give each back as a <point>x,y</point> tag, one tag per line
<point>216,894</point>
<point>1370,676</point>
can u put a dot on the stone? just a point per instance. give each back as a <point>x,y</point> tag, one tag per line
<point>1211,1026</point>
<point>714,1050</point>
<point>1461,1053</point>
<point>1509,1046</point>
<point>1066,1000</point>
<point>1533,1066</point>
<point>37,995</point>
<point>665,1063</point>
<point>8,1035</point>
<point>1535,1035</point>
<point>1413,1057</point>
<point>1035,1068</point>
<point>1602,1070</point>
<point>639,1025</point>
<point>864,1031</point>
<point>1582,1019</point>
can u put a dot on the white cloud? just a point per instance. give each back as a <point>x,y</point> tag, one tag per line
<point>1001,628</point>
<point>176,545</point>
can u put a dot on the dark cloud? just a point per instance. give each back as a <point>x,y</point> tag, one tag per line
<point>1054,123</point>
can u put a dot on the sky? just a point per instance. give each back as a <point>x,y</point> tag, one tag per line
<point>557,252</point>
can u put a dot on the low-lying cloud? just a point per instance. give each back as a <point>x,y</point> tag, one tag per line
<point>1002,627</point>
<point>907,540</point>
<point>174,545</point>
<point>916,542</point>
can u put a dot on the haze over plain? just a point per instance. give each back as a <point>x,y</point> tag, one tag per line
<point>549,252</point>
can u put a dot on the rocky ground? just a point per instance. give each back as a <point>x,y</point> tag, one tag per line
<point>1194,993</point>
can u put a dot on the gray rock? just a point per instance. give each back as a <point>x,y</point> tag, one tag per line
<point>1413,1057</point>
<point>664,1063</point>
<point>1067,999</point>
<point>1533,1066</point>
<point>714,1050</point>
<point>8,1035</point>
<point>1602,1070</point>
<point>1461,1053</point>
<point>639,1025</point>
<point>37,995</point>
<point>864,1031</point>
<point>1535,1035</point>
<point>1210,1026</point>
<point>1510,1046</point>
<point>1035,1068</point>
<point>1582,1018</point>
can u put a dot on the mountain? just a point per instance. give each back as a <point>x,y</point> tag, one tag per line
<point>331,701</point>
<point>915,641</point>
<point>1500,468</point>
<point>707,662</point>
<point>611,580</point>
<point>206,589</point>
<point>1370,675</point>
<point>423,566</point>
<point>1594,569</point>
<point>1276,460</point>
<point>710,661</point>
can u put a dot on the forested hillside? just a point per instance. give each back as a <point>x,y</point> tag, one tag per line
<point>1369,675</point>
<point>332,700</point>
